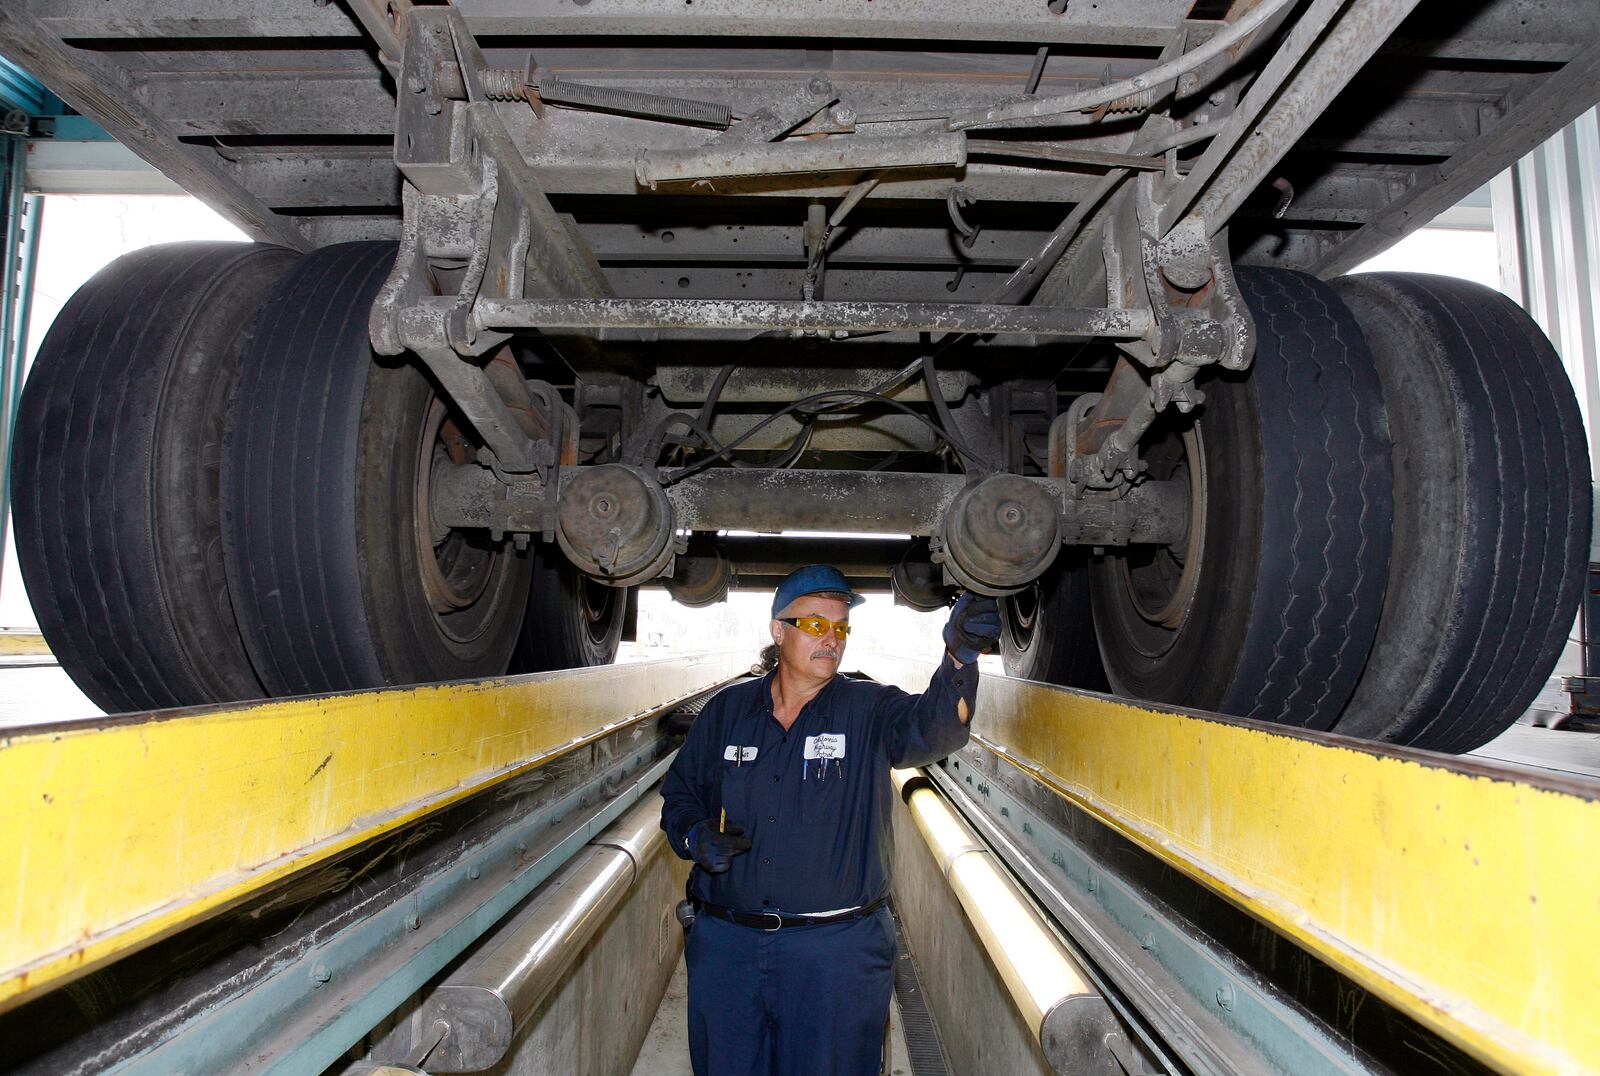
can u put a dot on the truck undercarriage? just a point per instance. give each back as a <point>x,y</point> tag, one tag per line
<point>1050,290</point>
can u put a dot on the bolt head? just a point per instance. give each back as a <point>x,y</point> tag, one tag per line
<point>321,973</point>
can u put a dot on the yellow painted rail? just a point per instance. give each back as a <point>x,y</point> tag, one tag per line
<point>1465,893</point>
<point>121,831</point>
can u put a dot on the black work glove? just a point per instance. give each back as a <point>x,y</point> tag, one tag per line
<point>714,851</point>
<point>973,628</point>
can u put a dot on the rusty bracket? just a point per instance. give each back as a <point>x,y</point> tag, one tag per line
<point>1185,278</point>
<point>778,118</point>
<point>477,226</point>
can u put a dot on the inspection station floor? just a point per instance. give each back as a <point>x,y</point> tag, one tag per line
<point>1454,894</point>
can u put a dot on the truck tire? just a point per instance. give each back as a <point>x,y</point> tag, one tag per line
<point>1492,511</point>
<point>1286,585</point>
<point>1047,631</point>
<point>340,579</point>
<point>115,472</point>
<point>572,621</point>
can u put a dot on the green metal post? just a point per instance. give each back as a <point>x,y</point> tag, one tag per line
<point>24,214</point>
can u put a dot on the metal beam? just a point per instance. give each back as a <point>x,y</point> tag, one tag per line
<point>1352,194</point>
<point>253,103</point>
<point>325,228</point>
<point>769,556</point>
<point>313,178</point>
<point>1137,23</point>
<point>1297,85</point>
<point>92,168</point>
<point>100,90</point>
<point>1557,101</point>
<point>810,317</point>
<point>1528,31</point>
<point>1412,125</point>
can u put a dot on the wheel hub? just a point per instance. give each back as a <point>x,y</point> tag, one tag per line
<point>1001,534</point>
<point>1161,580</point>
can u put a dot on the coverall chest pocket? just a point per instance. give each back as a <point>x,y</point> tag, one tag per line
<point>823,771</point>
<point>736,794</point>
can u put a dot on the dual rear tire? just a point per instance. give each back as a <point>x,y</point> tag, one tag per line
<point>1391,528</point>
<point>221,495</point>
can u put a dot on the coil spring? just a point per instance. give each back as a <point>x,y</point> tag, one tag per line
<point>1138,101</point>
<point>504,84</point>
<point>511,84</point>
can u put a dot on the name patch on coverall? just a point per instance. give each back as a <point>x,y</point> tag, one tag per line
<point>825,746</point>
<point>739,754</point>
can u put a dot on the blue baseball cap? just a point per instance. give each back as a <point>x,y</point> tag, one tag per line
<point>812,579</point>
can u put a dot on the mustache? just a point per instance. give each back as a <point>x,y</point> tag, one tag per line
<point>826,652</point>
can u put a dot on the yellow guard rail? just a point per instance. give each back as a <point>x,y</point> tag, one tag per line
<point>120,831</point>
<point>1464,892</point>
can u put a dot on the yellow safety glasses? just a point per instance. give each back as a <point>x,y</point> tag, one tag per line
<point>818,625</point>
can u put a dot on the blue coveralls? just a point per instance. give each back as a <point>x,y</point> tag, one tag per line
<point>807,999</point>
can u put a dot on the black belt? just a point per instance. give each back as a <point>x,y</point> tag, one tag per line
<point>774,921</point>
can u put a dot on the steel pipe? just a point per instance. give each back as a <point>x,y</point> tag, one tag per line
<point>1140,91</point>
<point>852,153</point>
<point>768,314</point>
<point>1050,988</point>
<point>487,999</point>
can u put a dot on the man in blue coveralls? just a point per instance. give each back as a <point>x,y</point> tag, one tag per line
<point>781,797</point>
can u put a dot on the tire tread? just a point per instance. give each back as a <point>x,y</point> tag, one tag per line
<point>89,431</point>
<point>1500,624</point>
<point>1316,609</point>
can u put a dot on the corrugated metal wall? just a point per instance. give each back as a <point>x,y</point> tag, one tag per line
<point>1547,224</point>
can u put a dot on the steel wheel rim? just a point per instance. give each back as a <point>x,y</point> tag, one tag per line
<point>1162,590</point>
<point>455,568</point>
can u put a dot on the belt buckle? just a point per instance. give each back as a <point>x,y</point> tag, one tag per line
<point>775,916</point>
